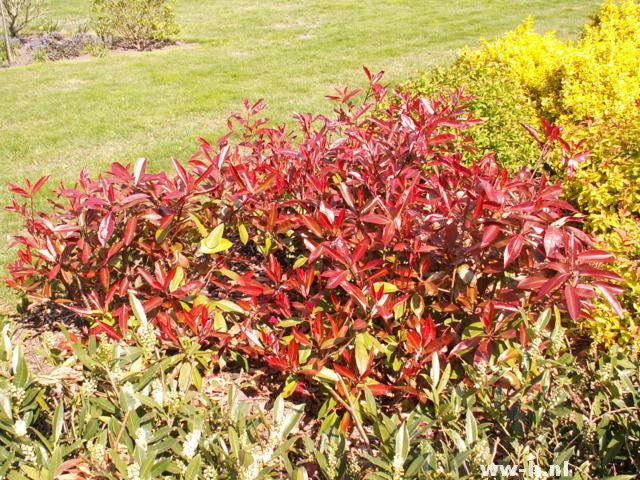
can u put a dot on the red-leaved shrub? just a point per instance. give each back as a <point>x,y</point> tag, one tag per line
<point>353,249</point>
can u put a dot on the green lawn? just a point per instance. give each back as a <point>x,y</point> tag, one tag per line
<point>56,118</point>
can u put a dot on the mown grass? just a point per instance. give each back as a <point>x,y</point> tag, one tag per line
<point>56,118</point>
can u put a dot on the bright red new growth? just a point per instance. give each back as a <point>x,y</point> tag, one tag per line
<point>358,243</point>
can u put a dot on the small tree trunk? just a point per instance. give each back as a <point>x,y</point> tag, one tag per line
<point>7,45</point>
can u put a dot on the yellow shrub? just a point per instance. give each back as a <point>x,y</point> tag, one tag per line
<point>532,60</point>
<point>592,87</point>
<point>597,77</point>
<point>601,75</point>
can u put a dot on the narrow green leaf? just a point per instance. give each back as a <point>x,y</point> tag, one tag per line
<point>138,309</point>
<point>58,421</point>
<point>362,354</point>
<point>193,469</point>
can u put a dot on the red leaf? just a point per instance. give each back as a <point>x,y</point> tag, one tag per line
<point>182,173</point>
<point>15,188</point>
<point>606,291</point>
<point>573,301</point>
<point>513,249</point>
<point>414,342</point>
<point>489,235</point>
<point>532,131</point>
<point>552,284</point>
<point>106,229</point>
<point>464,345</point>
<point>39,184</point>
<point>379,388</point>
<point>344,371</point>
<point>531,283</point>
<point>292,353</point>
<point>598,273</point>
<point>110,331</point>
<point>337,279</point>
<point>130,230</point>
<point>374,218</point>
<point>595,256</point>
<point>487,315</point>
<point>552,240</point>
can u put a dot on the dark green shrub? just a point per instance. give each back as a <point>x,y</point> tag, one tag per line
<point>106,410</point>
<point>543,403</point>
<point>499,102</point>
<point>135,24</point>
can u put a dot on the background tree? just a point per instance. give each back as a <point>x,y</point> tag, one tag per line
<point>21,13</point>
<point>5,33</point>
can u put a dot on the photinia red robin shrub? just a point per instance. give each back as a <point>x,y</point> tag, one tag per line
<point>354,249</point>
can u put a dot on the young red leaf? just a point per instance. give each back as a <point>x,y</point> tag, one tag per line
<point>607,293</point>
<point>595,256</point>
<point>552,284</point>
<point>513,249</point>
<point>490,234</point>
<point>106,229</point>
<point>337,279</point>
<point>573,301</point>
<point>552,240</point>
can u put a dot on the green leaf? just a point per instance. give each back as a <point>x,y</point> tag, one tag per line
<point>219,322</point>
<point>159,467</point>
<point>292,419</point>
<point>299,474</point>
<point>193,469</point>
<point>184,379</point>
<point>138,309</point>
<point>289,387</point>
<point>362,354</point>
<point>19,366</point>
<point>227,306</point>
<point>543,320</point>
<point>435,369</point>
<point>223,246</point>
<point>214,242</point>
<point>5,405</point>
<point>370,402</point>
<point>328,374</point>
<point>81,355</point>
<point>417,305</point>
<point>471,428</point>
<point>292,322</point>
<point>58,421</point>
<point>402,442</point>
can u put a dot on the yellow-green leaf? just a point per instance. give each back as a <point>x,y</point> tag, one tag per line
<point>213,239</point>
<point>201,228</point>
<point>299,262</point>
<point>221,246</point>
<point>362,353</point>
<point>328,374</point>
<point>177,279</point>
<point>227,306</point>
<point>138,309</point>
<point>219,323</point>
<point>244,235</point>
<point>386,287</point>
